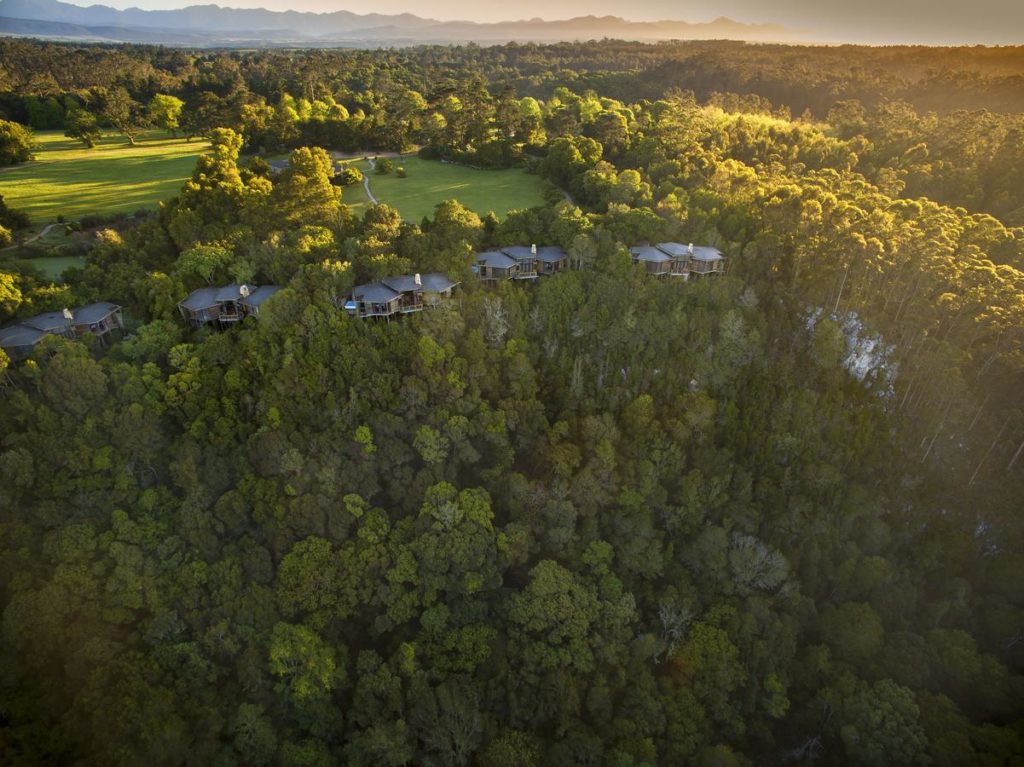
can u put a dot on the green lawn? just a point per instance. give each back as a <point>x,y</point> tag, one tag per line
<point>53,266</point>
<point>355,195</point>
<point>68,179</point>
<point>429,182</point>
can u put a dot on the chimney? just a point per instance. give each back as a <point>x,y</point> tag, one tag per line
<point>533,249</point>
<point>417,280</point>
<point>68,315</point>
<point>691,248</point>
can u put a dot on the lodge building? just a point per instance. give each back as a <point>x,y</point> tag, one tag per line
<point>400,295</point>
<point>100,320</point>
<point>224,306</point>
<point>519,262</point>
<point>665,259</point>
<point>675,260</point>
<point>387,298</point>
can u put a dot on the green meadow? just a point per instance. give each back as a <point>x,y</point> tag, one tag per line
<point>429,182</point>
<point>66,179</point>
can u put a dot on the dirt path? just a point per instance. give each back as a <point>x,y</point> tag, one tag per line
<point>361,155</point>
<point>45,231</point>
<point>366,184</point>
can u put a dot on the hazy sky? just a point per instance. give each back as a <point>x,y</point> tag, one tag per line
<point>939,21</point>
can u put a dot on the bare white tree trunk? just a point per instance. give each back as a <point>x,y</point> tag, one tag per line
<point>991,447</point>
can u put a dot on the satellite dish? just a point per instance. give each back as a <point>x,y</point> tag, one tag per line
<point>243,291</point>
<point>417,280</point>
<point>67,314</point>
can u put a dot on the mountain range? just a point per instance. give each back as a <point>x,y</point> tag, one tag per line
<point>212,25</point>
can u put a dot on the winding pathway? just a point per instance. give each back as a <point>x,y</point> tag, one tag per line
<point>366,184</point>
<point>45,231</point>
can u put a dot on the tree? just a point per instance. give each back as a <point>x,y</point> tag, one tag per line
<point>304,192</point>
<point>854,630</point>
<point>15,143</point>
<point>204,264</point>
<point>307,580</point>
<point>512,748</point>
<point>82,125</point>
<point>45,114</point>
<point>560,622</point>
<point>351,175</point>
<point>164,112</point>
<point>306,665</point>
<point>711,660</point>
<point>879,723</point>
<point>124,718</point>
<point>216,202</point>
<point>254,740</point>
<point>123,112</point>
<point>12,219</point>
<point>446,718</point>
<point>10,294</point>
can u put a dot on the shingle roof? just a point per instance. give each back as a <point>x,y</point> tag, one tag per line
<point>403,283</point>
<point>50,322</point>
<point>204,298</point>
<point>648,253</point>
<point>551,254</point>
<point>375,292</point>
<point>706,253</point>
<point>495,259</point>
<point>15,336</point>
<point>260,294</point>
<point>519,252</point>
<point>674,249</point>
<point>87,315</point>
<point>435,282</point>
<point>229,293</point>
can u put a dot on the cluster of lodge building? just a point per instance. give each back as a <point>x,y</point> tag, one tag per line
<point>405,294</point>
<point>99,320</point>
<point>664,259</point>
<point>392,296</point>
<point>224,306</point>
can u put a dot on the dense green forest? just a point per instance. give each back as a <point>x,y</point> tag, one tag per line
<point>767,518</point>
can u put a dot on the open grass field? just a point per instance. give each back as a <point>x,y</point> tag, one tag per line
<point>429,182</point>
<point>68,179</point>
<point>52,266</point>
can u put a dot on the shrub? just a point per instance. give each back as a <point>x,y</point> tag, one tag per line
<point>15,143</point>
<point>351,175</point>
<point>400,171</point>
<point>13,219</point>
<point>384,166</point>
<point>258,166</point>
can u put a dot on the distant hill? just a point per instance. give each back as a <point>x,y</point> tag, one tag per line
<point>211,25</point>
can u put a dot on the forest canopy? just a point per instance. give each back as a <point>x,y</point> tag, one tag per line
<point>766,517</point>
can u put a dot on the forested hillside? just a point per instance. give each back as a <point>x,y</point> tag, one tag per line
<point>767,518</point>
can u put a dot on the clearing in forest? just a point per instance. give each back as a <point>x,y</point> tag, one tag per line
<point>68,179</point>
<point>429,182</point>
